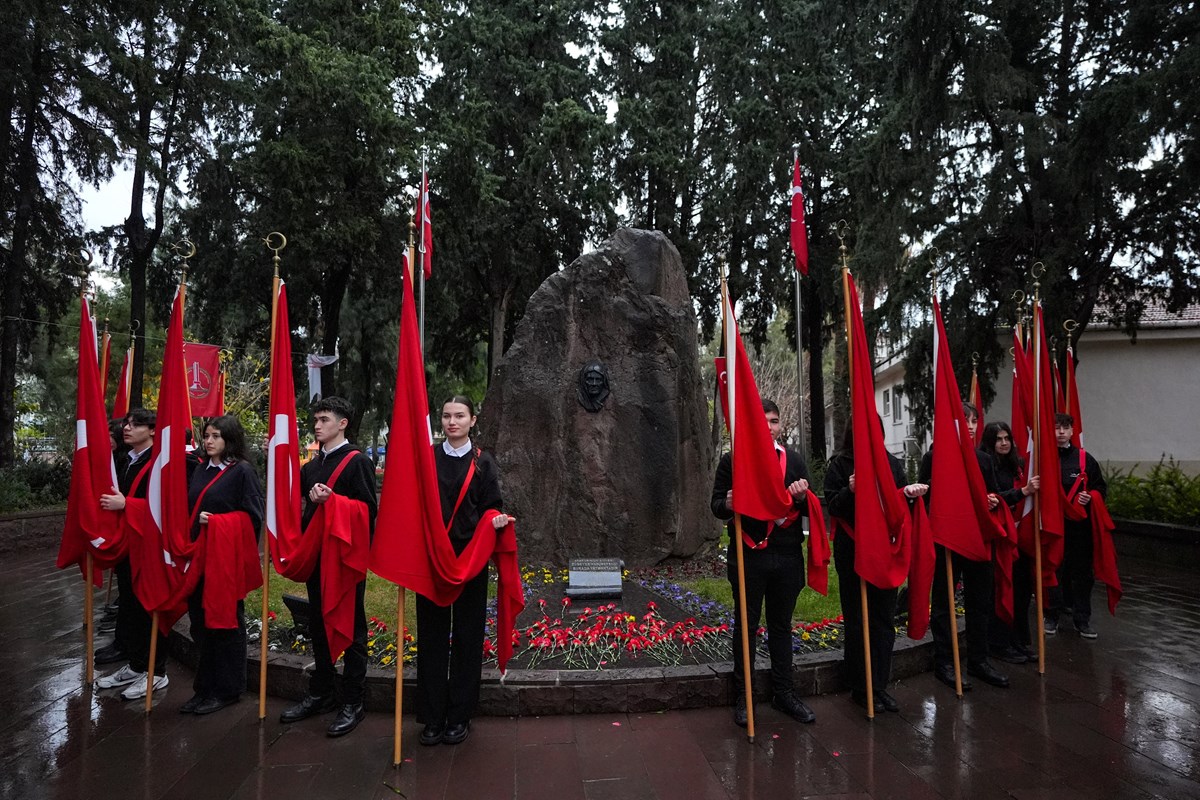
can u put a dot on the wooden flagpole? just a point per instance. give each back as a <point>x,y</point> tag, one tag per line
<point>397,728</point>
<point>747,664</point>
<point>150,663</point>
<point>89,669</point>
<point>862,583</point>
<point>1035,467</point>
<point>265,624</point>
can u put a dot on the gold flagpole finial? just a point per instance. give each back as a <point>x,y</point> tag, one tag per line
<point>842,229</point>
<point>1037,271</point>
<point>275,242</point>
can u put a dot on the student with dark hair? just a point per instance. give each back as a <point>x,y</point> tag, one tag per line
<point>354,480</point>
<point>1012,643</point>
<point>450,665</point>
<point>881,603</point>
<point>132,635</point>
<point>773,558</point>
<point>979,597</point>
<point>224,485</point>
<point>1081,478</point>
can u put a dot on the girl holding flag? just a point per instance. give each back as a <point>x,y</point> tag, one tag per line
<point>451,662</point>
<point>223,493</point>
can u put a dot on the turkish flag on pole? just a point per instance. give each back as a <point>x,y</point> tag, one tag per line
<point>1072,400</point>
<point>799,231</point>
<point>758,491</point>
<point>92,469</point>
<point>1051,499</point>
<point>105,357</point>
<point>203,373</point>
<point>1022,431</point>
<point>412,547</point>
<point>283,443</point>
<point>882,526</point>
<point>161,521</point>
<point>1060,400</point>
<point>121,401</point>
<point>958,512</point>
<point>424,229</point>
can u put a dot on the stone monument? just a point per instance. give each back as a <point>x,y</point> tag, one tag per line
<point>597,413</point>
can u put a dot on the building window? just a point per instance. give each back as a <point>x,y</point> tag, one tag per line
<point>887,402</point>
<point>896,415</point>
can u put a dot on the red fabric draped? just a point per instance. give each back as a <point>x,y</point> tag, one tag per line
<point>799,233</point>
<point>231,569</point>
<point>340,533</point>
<point>1005,553</point>
<point>819,552</point>
<point>1104,553</point>
<point>920,572</point>
<point>412,546</point>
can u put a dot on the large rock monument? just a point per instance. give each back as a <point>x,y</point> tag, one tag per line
<point>597,413</point>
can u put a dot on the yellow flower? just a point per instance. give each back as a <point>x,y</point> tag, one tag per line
<point>385,660</point>
<point>805,636</point>
<point>371,643</point>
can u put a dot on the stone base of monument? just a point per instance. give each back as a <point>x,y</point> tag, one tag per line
<point>564,691</point>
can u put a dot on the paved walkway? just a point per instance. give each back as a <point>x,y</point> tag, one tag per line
<point>1115,718</point>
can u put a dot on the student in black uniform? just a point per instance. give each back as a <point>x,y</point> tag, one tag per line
<point>132,636</point>
<point>224,483</point>
<point>356,481</point>
<point>1012,644</point>
<point>881,603</point>
<point>450,665</point>
<point>979,596</point>
<point>774,567</point>
<point>1081,477</point>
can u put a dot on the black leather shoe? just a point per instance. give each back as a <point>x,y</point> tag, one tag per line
<point>794,707</point>
<point>988,674</point>
<point>887,701</point>
<point>190,706</point>
<point>110,654</point>
<point>1027,651</point>
<point>860,698</point>
<point>457,733</point>
<point>347,719</point>
<point>214,704</point>
<point>740,718</point>
<point>1009,655</point>
<point>945,674</point>
<point>310,706</point>
<point>432,734</point>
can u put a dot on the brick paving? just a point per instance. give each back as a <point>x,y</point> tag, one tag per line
<point>1114,718</point>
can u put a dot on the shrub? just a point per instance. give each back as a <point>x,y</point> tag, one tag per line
<point>1165,494</point>
<point>37,484</point>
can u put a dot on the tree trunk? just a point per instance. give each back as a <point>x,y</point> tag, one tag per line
<point>499,321</point>
<point>14,273</point>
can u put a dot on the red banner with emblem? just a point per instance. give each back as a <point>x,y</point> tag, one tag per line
<point>203,373</point>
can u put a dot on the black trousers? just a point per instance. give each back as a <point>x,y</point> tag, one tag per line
<point>450,660</point>
<point>132,633</point>
<point>221,671</point>
<point>881,610</point>
<point>979,601</point>
<point>773,579</point>
<point>354,660</point>
<point>1018,634</point>
<point>1075,577</point>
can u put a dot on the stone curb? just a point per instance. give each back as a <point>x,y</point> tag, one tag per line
<point>564,691</point>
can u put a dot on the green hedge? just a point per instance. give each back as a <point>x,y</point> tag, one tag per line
<point>1165,494</point>
<point>37,484</point>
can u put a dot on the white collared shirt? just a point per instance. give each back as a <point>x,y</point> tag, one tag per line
<point>457,452</point>
<point>325,453</point>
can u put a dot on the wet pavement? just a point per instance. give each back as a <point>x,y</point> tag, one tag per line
<point>1118,717</point>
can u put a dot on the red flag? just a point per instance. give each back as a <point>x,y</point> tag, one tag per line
<point>1022,428</point>
<point>758,491</point>
<point>1060,401</point>
<point>958,512</point>
<point>121,401</point>
<point>1052,499</point>
<point>799,232</point>
<point>92,469</point>
<point>105,358</point>
<point>977,401</point>
<point>425,229</point>
<point>882,526</point>
<point>1072,406</point>
<point>412,547</point>
<point>161,521</point>
<point>283,447</point>
<point>203,365</point>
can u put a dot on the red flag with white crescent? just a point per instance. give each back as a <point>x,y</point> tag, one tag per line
<point>283,447</point>
<point>425,234</point>
<point>799,232</point>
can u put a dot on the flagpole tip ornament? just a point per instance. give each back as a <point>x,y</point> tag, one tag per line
<point>83,258</point>
<point>185,248</point>
<point>974,360</point>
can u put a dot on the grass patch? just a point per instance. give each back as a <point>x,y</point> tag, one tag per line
<point>812,607</point>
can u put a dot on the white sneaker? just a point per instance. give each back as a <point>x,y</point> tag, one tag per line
<point>122,677</point>
<point>138,689</point>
